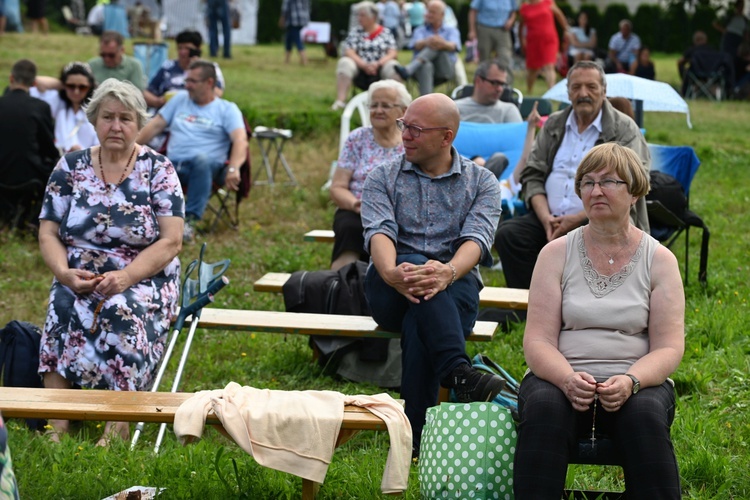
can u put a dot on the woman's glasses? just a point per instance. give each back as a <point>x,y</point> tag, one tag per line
<point>384,106</point>
<point>79,87</point>
<point>605,185</point>
<point>414,130</point>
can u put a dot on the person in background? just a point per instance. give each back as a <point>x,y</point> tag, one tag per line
<point>435,46</point>
<point>369,54</point>
<point>539,40</point>
<point>67,98</point>
<point>582,39</point>
<point>644,66</point>
<point>490,22</point>
<point>365,149</point>
<point>295,15</point>
<point>623,49</point>
<point>207,141</point>
<point>734,29</point>
<point>218,11</point>
<point>390,17</point>
<point>36,12</point>
<point>95,19</point>
<point>429,217</point>
<point>416,13</point>
<point>114,63</point>
<point>110,232</point>
<point>27,143</point>
<point>3,17</point>
<point>605,330</point>
<point>172,74</point>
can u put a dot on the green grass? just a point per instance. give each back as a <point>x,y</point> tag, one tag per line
<point>711,432</point>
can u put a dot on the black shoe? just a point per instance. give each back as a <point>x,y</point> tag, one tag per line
<point>402,72</point>
<point>469,385</point>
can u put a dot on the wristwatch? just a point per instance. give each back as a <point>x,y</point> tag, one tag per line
<point>636,383</point>
<point>231,170</point>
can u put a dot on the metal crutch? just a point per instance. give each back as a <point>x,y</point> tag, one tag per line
<point>196,294</point>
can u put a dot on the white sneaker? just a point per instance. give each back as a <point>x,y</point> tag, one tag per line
<point>338,105</point>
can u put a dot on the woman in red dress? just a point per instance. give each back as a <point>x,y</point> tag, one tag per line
<point>540,41</point>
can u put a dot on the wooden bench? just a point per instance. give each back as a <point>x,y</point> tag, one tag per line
<point>320,236</point>
<point>312,324</point>
<point>155,407</point>
<point>505,298</point>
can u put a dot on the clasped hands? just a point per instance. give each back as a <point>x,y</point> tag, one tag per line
<point>419,282</point>
<point>559,225</point>
<point>581,388</point>
<point>85,282</point>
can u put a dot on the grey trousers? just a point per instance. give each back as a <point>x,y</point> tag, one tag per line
<point>431,67</point>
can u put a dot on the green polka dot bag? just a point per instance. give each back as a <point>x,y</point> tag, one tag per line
<point>467,451</point>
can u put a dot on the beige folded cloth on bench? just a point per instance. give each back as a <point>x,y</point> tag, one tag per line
<point>295,431</point>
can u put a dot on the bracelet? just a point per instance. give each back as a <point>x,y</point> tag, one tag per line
<point>453,270</point>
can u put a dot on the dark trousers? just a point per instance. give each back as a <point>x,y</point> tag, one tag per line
<point>433,335</point>
<point>518,242</point>
<point>550,428</point>
<point>218,12</point>
<point>349,237</point>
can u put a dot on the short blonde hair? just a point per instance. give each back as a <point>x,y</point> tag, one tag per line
<point>625,163</point>
<point>125,93</point>
<point>404,97</point>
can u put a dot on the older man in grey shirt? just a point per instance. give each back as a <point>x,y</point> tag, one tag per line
<point>429,220</point>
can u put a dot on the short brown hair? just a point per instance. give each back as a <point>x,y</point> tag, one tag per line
<point>112,36</point>
<point>625,163</point>
<point>24,72</point>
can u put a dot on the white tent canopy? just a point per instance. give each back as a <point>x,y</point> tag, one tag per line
<point>656,96</point>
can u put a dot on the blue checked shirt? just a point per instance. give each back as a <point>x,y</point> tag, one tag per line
<point>296,12</point>
<point>432,216</point>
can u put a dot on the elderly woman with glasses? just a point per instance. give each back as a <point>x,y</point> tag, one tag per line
<point>365,149</point>
<point>67,98</point>
<point>110,231</point>
<point>605,330</point>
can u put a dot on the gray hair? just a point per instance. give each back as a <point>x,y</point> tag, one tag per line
<point>369,8</point>
<point>484,68</point>
<point>404,97</point>
<point>589,65</point>
<point>626,22</point>
<point>125,93</point>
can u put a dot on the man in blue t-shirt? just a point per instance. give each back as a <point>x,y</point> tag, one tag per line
<point>202,128</point>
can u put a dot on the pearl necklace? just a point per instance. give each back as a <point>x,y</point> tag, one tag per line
<point>106,185</point>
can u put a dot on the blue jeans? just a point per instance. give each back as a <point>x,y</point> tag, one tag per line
<point>218,10</point>
<point>293,38</point>
<point>550,427</point>
<point>199,173</point>
<point>433,335</point>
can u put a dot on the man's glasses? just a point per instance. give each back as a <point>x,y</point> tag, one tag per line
<point>384,106</point>
<point>494,83</point>
<point>605,185</point>
<point>107,55</point>
<point>79,87</point>
<point>414,130</point>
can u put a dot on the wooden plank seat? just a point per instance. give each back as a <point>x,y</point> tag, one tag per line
<point>312,324</point>
<point>320,236</point>
<point>154,407</point>
<point>490,296</point>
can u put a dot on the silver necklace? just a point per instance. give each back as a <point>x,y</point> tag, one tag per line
<point>611,257</point>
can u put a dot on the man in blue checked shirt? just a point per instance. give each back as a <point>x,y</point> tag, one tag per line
<point>429,219</point>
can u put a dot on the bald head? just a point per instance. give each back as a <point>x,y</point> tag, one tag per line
<point>437,110</point>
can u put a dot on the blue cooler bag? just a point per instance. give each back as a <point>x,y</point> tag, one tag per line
<point>467,451</point>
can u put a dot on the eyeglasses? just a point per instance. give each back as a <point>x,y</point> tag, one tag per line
<point>494,83</point>
<point>107,55</point>
<point>384,106</point>
<point>414,130</point>
<point>80,87</point>
<point>605,185</point>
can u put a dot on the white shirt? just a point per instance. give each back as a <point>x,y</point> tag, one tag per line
<point>71,128</point>
<point>560,185</point>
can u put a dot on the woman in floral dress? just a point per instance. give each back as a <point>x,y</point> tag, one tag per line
<point>110,232</point>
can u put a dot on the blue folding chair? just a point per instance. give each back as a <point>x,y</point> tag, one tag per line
<point>682,163</point>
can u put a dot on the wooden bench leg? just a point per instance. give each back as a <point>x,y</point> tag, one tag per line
<point>309,489</point>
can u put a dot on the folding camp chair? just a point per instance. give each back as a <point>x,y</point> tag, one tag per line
<point>357,103</point>
<point>682,163</point>
<point>225,204</point>
<point>544,108</point>
<point>709,75</point>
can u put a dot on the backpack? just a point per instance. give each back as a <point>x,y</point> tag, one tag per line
<point>19,359</point>
<point>328,292</point>
<point>668,191</point>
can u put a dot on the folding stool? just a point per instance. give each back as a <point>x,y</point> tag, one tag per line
<point>270,140</point>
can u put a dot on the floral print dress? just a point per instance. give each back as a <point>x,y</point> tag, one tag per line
<point>110,342</point>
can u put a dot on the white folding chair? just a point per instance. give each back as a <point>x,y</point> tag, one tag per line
<point>356,103</point>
